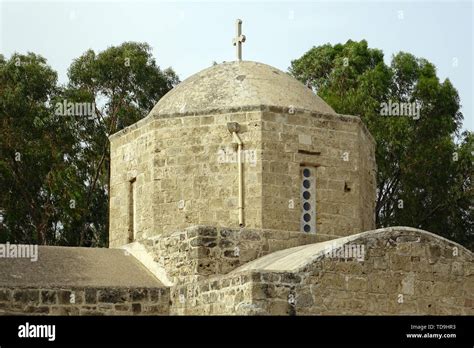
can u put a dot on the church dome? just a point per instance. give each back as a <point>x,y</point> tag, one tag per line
<point>239,84</point>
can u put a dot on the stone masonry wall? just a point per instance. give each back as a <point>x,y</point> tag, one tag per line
<point>132,157</point>
<point>342,152</point>
<point>218,295</point>
<point>198,252</point>
<point>196,167</point>
<point>84,301</point>
<point>186,172</point>
<point>368,181</point>
<point>403,273</point>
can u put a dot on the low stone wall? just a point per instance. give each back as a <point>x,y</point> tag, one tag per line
<point>400,271</point>
<point>202,251</point>
<point>84,301</point>
<point>403,272</point>
<point>219,295</point>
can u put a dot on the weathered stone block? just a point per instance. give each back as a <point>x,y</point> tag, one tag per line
<point>434,253</point>
<point>290,278</point>
<point>457,269</point>
<point>138,294</point>
<point>408,284</point>
<point>400,262</point>
<point>91,296</point>
<point>154,310</point>
<point>263,291</point>
<point>113,296</point>
<point>380,263</point>
<point>37,310</point>
<point>122,307</point>
<point>207,231</point>
<point>280,308</point>
<point>357,284</point>
<point>376,284</point>
<point>65,310</point>
<point>5,295</point>
<point>249,235</point>
<point>304,299</point>
<point>26,296</point>
<point>49,297</point>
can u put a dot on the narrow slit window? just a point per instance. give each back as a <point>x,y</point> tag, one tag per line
<point>132,211</point>
<point>308,200</point>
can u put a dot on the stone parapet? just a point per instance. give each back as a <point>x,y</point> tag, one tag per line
<point>84,301</point>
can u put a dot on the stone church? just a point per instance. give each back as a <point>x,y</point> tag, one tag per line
<point>242,192</point>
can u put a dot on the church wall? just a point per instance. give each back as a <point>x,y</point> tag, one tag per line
<point>368,181</point>
<point>196,173</point>
<point>132,156</point>
<point>403,272</point>
<point>220,295</point>
<point>198,252</point>
<point>336,147</point>
<point>84,301</point>
<point>186,174</point>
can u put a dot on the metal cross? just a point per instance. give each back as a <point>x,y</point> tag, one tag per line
<point>239,39</point>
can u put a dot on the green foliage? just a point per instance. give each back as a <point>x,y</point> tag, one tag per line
<point>420,182</point>
<point>57,193</point>
<point>30,147</point>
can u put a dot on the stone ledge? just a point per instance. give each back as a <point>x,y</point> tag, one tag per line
<point>249,108</point>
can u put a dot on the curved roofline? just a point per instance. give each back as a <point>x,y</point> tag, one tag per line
<point>297,258</point>
<point>239,83</point>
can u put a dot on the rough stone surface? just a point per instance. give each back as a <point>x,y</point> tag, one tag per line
<point>239,84</point>
<point>322,284</point>
<point>201,251</point>
<point>85,301</point>
<point>315,282</point>
<point>185,173</point>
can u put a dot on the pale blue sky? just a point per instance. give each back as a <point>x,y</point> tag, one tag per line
<point>189,36</point>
